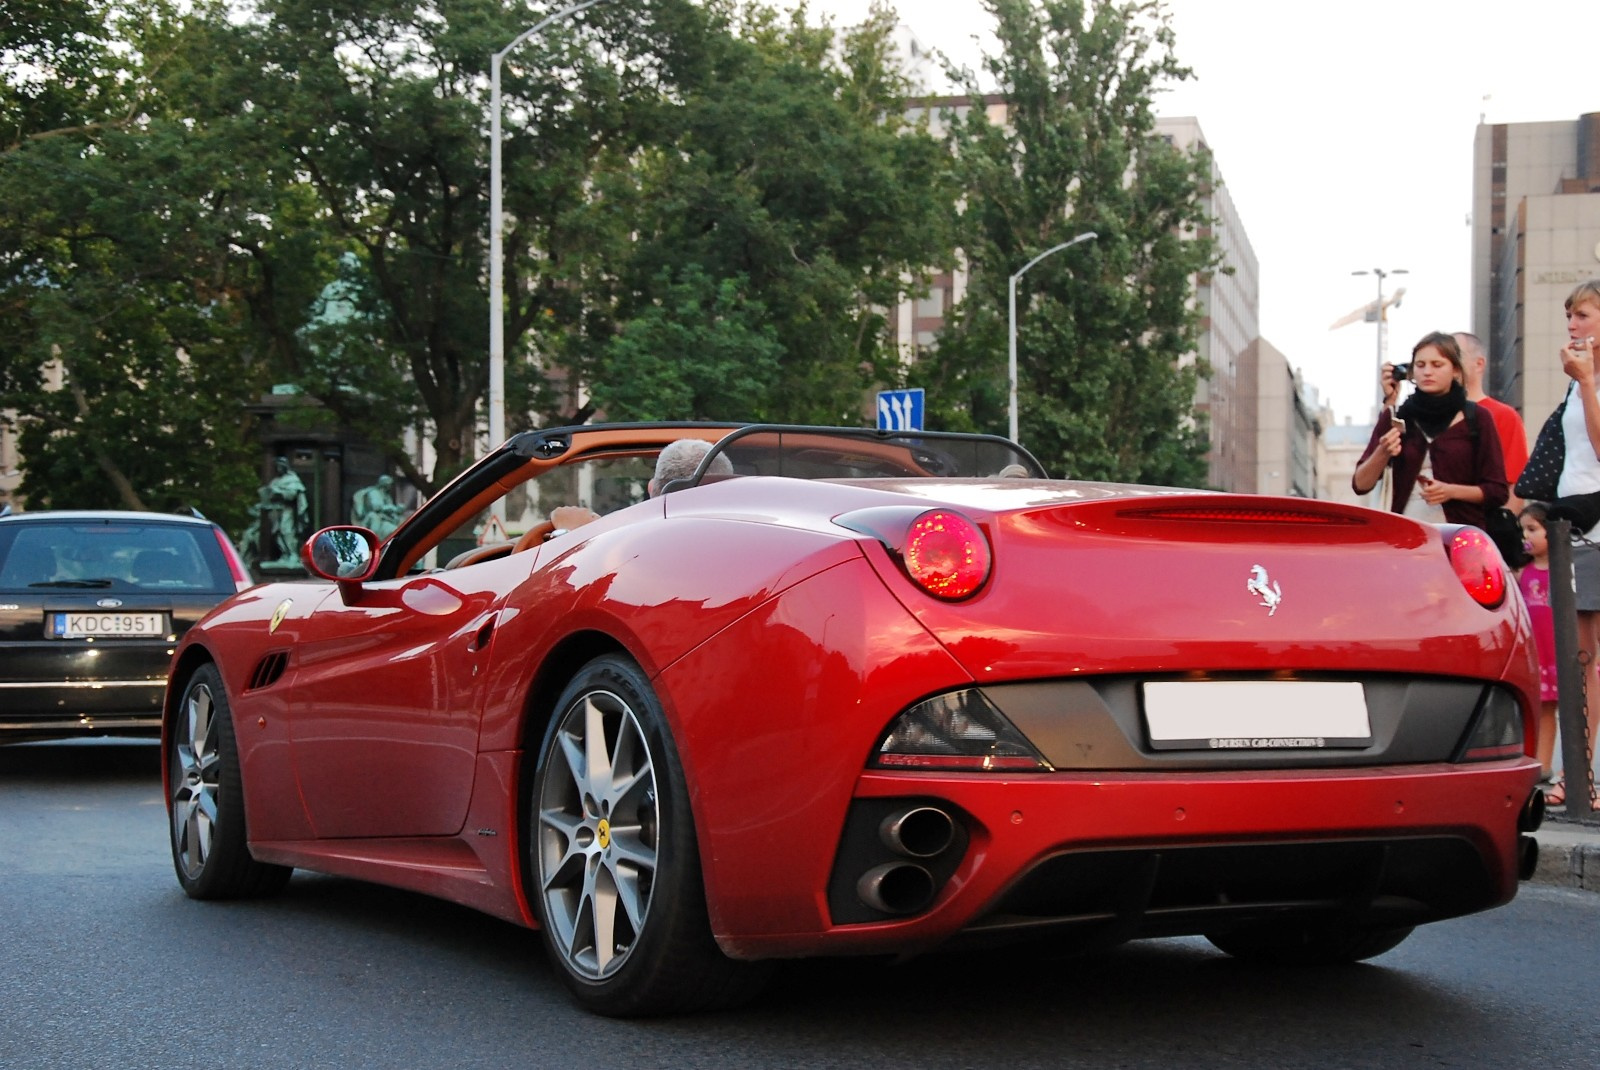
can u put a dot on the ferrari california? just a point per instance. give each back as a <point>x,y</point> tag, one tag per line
<point>851,692</point>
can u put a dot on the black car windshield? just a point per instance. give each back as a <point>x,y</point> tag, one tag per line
<point>91,554</point>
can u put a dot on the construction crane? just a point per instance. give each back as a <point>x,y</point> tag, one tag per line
<point>1369,312</point>
<point>1376,311</point>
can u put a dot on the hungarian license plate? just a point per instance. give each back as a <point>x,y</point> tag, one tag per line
<point>1256,714</point>
<point>106,625</point>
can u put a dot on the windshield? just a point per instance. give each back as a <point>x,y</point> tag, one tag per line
<point>88,555</point>
<point>846,453</point>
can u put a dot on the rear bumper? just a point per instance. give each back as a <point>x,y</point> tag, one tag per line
<point>1115,856</point>
<point>80,707</point>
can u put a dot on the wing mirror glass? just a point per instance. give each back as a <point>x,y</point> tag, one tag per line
<point>341,553</point>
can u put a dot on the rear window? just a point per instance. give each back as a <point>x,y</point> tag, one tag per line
<point>118,555</point>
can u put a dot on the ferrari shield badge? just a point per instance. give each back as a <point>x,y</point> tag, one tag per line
<point>278,614</point>
<point>1264,588</point>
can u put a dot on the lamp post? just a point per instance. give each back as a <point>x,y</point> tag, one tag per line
<point>1382,315</point>
<point>1011,321</point>
<point>497,327</point>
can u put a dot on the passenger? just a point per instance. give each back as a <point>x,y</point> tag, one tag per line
<point>677,460</point>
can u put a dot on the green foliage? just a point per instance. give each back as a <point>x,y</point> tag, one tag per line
<point>708,206</point>
<point>118,335</point>
<point>703,352</point>
<point>1106,333</point>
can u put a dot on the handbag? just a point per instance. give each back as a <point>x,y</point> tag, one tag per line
<point>1543,470</point>
<point>1583,510</point>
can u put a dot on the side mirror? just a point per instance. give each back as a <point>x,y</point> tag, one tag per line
<point>344,553</point>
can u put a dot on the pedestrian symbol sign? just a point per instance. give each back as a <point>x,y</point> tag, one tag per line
<point>900,410</point>
<point>493,531</point>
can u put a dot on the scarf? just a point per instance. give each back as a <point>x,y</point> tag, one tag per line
<point>1432,413</point>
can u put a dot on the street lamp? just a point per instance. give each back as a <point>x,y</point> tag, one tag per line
<point>497,326</point>
<point>1011,332</point>
<point>1382,315</point>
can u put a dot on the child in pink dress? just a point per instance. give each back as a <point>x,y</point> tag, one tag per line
<point>1534,579</point>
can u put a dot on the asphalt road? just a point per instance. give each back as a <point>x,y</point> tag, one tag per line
<point>104,963</point>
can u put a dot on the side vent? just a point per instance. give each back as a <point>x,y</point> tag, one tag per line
<point>268,670</point>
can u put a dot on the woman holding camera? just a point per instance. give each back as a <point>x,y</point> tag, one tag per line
<point>1444,467</point>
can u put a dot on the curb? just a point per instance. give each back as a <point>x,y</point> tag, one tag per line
<point>1569,856</point>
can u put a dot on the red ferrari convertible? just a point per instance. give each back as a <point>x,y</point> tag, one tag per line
<point>858,692</point>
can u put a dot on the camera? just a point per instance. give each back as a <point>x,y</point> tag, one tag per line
<point>1401,373</point>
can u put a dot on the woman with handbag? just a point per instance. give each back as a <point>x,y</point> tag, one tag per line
<point>1564,469</point>
<point>1443,467</point>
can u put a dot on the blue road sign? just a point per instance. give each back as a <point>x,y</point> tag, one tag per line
<point>900,410</point>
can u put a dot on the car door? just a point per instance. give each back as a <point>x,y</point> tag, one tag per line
<point>386,701</point>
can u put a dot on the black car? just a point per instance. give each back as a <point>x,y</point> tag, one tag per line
<point>92,605</point>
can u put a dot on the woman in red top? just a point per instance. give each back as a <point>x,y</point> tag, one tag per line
<point>1444,468</point>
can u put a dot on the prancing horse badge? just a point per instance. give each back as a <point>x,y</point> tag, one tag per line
<point>1259,585</point>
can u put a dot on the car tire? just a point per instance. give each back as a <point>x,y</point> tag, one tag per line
<point>613,857</point>
<point>1301,944</point>
<point>210,845</point>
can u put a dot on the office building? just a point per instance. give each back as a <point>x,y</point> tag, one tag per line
<point>1535,235</point>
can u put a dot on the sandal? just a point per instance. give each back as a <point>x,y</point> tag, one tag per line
<point>1556,794</point>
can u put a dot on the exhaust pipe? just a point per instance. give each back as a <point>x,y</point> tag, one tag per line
<point>1527,856</point>
<point>1532,815</point>
<point>896,888</point>
<point>920,832</point>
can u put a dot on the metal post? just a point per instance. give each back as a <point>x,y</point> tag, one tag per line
<point>1382,318</point>
<point>1011,319</point>
<point>1011,349</point>
<point>497,325</point>
<point>1574,673</point>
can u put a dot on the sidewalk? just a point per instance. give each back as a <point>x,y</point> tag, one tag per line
<point>1569,853</point>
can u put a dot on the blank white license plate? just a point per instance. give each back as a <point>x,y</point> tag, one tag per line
<point>97,625</point>
<point>1256,714</point>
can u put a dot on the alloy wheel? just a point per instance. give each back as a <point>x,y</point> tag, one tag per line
<point>598,827</point>
<point>196,764</point>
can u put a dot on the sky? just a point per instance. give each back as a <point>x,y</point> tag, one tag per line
<point>1344,134</point>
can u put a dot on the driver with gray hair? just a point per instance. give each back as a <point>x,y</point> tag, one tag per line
<point>678,460</point>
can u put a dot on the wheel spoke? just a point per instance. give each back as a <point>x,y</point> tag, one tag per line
<point>631,881</point>
<point>603,908</point>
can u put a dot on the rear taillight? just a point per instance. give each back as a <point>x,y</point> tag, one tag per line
<point>1478,565</point>
<point>958,730</point>
<point>943,552</point>
<point>1496,731</point>
<point>236,569</point>
<point>946,555</point>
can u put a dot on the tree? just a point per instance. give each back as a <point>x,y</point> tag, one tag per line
<point>707,207</point>
<point>786,167</point>
<point>1107,331</point>
<point>116,335</point>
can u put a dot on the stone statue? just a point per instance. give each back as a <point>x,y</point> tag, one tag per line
<point>374,508</point>
<point>260,514</point>
<point>285,516</point>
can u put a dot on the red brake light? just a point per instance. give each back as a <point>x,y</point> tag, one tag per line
<point>1478,565</point>
<point>236,569</point>
<point>946,555</point>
